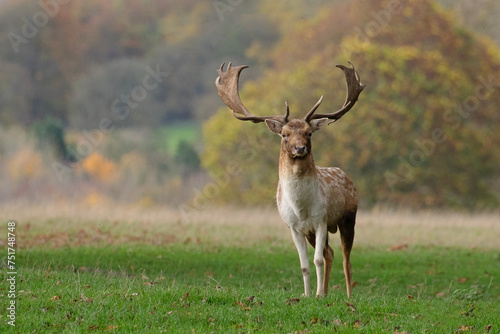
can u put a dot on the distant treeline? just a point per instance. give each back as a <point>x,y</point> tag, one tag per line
<point>87,89</point>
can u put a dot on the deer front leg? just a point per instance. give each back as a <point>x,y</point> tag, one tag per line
<point>321,233</point>
<point>301,245</point>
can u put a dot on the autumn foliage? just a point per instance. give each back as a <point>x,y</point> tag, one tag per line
<point>103,101</point>
<point>424,132</point>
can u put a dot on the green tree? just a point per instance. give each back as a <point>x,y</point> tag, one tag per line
<point>187,157</point>
<point>50,135</point>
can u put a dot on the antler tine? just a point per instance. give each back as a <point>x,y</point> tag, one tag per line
<point>227,86</point>
<point>287,112</point>
<point>354,88</point>
<point>307,118</point>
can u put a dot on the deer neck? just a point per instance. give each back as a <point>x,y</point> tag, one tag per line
<point>296,168</point>
<point>298,188</point>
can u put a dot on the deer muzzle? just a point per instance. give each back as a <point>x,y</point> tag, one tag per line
<point>299,151</point>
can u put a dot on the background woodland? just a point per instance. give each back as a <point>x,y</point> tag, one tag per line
<point>105,102</point>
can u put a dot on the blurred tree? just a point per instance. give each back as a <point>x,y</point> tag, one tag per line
<point>187,157</point>
<point>96,32</point>
<point>483,16</point>
<point>125,91</point>
<point>50,135</point>
<point>58,47</point>
<point>99,167</point>
<point>24,42</point>
<point>50,44</point>
<point>16,93</point>
<point>73,60</point>
<point>424,131</point>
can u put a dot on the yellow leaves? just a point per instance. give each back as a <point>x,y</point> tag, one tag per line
<point>133,162</point>
<point>25,164</point>
<point>407,52</point>
<point>408,11</point>
<point>146,202</point>
<point>286,15</point>
<point>179,28</point>
<point>95,198</point>
<point>490,47</point>
<point>133,167</point>
<point>221,130</point>
<point>352,44</point>
<point>99,167</point>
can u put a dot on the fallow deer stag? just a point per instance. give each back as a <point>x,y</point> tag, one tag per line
<point>311,200</point>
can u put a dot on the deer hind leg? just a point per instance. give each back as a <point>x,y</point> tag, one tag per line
<point>328,257</point>
<point>347,238</point>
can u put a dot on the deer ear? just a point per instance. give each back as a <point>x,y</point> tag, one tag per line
<point>274,126</point>
<point>318,124</point>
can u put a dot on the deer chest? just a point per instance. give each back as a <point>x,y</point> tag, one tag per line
<point>300,204</point>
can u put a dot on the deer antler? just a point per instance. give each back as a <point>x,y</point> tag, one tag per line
<point>354,88</point>
<point>227,87</point>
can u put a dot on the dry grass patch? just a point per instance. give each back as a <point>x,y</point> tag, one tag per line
<point>56,225</point>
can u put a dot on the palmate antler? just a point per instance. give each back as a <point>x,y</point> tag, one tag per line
<point>227,87</point>
<point>354,88</point>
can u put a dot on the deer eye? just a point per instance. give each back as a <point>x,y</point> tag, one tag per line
<point>310,134</point>
<point>283,135</point>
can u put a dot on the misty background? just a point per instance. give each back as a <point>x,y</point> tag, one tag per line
<point>113,102</point>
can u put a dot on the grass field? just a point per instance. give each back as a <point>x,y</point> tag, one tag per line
<point>236,271</point>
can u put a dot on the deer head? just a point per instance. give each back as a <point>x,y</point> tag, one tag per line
<point>296,134</point>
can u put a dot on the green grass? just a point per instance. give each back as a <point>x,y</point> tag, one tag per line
<point>170,136</point>
<point>190,288</point>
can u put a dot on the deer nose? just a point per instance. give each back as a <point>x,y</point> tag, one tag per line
<point>300,150</point>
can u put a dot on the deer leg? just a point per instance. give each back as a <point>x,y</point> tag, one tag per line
<point>347,237</point>
<point>321,234</point>
<point>328,258</point>
<point>301,245</point>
